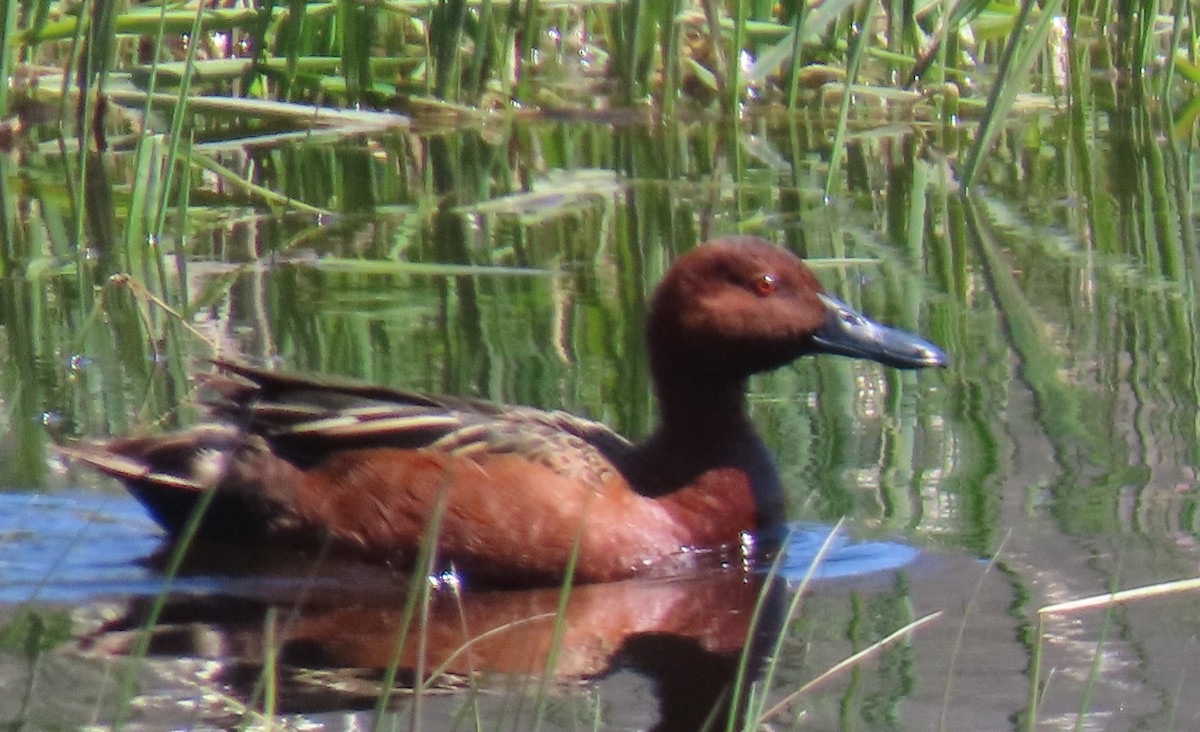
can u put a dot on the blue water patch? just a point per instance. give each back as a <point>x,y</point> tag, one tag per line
<point>76,547</point>
<point>67,547</point>
<point>846,557</point>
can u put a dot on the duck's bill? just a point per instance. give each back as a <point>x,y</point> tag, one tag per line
<point>848,333</point>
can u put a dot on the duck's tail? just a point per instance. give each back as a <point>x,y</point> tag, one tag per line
<point>173,474</point>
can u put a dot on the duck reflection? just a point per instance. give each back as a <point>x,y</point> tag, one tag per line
<point>332,637</point>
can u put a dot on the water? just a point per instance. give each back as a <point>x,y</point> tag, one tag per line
<point>74,547</point>
<point>1054,459</point>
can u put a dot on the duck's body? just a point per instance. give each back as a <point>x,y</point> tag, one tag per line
<point>521,494</point>
<point>301,462</point>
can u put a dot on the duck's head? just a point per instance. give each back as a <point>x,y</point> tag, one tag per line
<point>739,305</point>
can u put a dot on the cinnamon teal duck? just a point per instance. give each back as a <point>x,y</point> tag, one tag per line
<point>522,494</point>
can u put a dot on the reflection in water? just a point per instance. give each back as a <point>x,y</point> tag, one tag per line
<point>331,646</point>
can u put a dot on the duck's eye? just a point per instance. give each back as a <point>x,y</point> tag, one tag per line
<point>765,285</point>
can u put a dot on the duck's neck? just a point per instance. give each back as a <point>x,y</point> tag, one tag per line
<point>702,409</point>
<point>704,427</point>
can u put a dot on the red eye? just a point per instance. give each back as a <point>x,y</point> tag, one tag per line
<point>765,285</point>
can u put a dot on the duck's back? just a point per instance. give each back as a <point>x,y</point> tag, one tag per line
<point>305,421</point>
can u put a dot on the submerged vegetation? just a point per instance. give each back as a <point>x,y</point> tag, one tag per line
<point>474,198</point>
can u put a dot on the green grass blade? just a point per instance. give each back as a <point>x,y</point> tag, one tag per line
<point>1022,49</point>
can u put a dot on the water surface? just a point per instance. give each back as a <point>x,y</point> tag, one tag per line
<point>1055,458</point>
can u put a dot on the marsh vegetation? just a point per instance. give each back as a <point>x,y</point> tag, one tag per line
<point>474,198</point>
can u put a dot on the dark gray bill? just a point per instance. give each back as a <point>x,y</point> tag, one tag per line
<point>848,333</point>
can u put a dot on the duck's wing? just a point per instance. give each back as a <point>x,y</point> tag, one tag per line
<point>305,420</point>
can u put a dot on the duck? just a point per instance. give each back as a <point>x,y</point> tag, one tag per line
<point>514,495</point>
